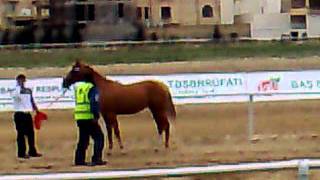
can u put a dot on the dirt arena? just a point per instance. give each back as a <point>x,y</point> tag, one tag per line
<point>205,133</point>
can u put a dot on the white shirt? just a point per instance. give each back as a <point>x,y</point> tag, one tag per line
<point>21,102</point>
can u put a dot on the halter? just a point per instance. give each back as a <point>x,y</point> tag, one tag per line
<point>76,69</point>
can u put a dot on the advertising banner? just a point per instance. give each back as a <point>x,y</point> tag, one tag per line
<point>198,88</point>
<point>187,88</point>
<point>284,85</point>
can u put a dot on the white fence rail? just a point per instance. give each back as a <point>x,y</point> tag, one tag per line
<point>302,165</point>
<point>101,44</point>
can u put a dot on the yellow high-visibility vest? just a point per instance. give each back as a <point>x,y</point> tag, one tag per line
<point>83,109</point>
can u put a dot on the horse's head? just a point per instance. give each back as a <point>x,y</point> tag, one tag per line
<point>79,72</point>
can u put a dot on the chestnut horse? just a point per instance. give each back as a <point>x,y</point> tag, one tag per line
<point>116,99</point>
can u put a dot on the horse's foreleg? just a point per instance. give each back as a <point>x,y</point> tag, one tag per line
<point>110,140</point>
<point>109,132</point>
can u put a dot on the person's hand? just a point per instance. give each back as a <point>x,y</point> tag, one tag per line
<point>37,111</point>
<point>95,120</point>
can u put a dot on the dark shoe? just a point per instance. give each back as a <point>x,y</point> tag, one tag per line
<point>35,155</point>
<point>81,164</point>
<point>24,157</point>
<point>98,163</point>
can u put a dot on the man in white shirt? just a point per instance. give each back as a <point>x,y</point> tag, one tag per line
<point>24,103</point>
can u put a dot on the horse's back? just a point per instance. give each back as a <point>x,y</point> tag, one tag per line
<point>127,98</point>
<point>134,97</point>
<point>152,86</point>
<point>153,90</point>
<point>146,85</point>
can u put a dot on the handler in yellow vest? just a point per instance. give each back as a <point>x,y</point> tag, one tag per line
<point>86,115</point>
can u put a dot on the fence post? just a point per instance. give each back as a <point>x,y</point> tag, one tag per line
<point>250,118</point>
<point>303,169</point>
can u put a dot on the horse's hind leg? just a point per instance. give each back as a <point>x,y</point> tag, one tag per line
<point>112,118</point>
<point>167,131</point>
<point>162,125</point>
<point>160,131</point>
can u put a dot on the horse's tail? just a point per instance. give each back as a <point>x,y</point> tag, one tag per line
<point>171,111</point>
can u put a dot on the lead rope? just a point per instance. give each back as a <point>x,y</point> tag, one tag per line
<point>57,98</point>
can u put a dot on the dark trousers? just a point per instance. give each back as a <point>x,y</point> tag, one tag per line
<point>24,127</point>
<point>89,128</point>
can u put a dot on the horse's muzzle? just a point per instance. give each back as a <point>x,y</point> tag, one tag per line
<point>65,84</point>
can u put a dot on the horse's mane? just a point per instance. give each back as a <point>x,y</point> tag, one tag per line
<point>105,78</point>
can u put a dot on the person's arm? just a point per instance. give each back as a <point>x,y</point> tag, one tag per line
<point>34,106</point>
<point>94,102</point>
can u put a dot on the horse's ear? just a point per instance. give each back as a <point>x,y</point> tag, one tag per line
<point>77,62</point>
<point>76,66</point>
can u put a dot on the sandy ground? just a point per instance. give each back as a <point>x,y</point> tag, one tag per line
<point>207,133</point>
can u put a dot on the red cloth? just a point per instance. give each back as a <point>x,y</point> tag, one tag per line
<point>38,118</point>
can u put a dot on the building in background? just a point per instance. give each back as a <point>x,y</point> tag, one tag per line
<point>305,18</point>
<point>178,12</point>
<point>19,16</point>
<point>191,19</point>
<point>94,20</point>
<point>267,18</point>
<point>100,20</point>
<point>2,9</point>
<point>56,21</point>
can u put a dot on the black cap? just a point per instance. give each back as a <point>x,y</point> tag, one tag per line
<point>21,76</point>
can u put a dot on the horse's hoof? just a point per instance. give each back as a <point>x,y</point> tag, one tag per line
<point>174,148</point>
<point>123,152</point>
<point>109,153</point>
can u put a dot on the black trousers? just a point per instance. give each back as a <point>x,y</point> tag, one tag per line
<point>87,129</point>
<point>24,127</point>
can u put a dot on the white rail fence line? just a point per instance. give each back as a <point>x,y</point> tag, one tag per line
<point>100,44</point>
<point>303,166</point>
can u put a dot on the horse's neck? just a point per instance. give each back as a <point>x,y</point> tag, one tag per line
<point>99,80</point>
